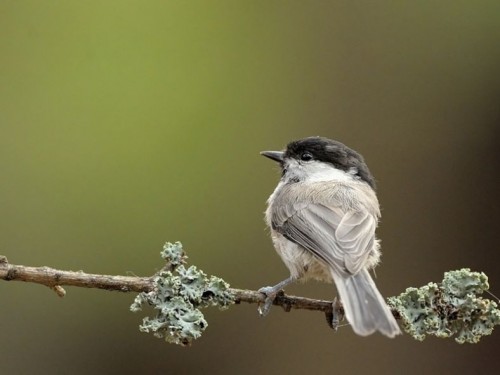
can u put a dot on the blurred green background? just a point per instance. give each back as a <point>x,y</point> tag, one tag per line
<point>125,124</point>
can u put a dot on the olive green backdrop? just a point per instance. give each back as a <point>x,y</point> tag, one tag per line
<point>125,124</point>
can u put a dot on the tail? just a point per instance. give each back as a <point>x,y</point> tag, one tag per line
<point>364,306</point>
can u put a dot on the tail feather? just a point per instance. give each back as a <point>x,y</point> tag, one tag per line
<point>364,306</point>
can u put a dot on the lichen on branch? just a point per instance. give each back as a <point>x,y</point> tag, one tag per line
<point>178,295</point>
<point>451,308</point>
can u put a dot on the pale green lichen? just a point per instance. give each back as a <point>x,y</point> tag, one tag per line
<point>452,308</point>
<point>178,295</point>
<point>173,253</point>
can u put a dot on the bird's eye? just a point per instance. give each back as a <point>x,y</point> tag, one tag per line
<point>306,156</point>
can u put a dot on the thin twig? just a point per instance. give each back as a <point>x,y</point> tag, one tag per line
<point>55,279</point>
<point>286,301</point>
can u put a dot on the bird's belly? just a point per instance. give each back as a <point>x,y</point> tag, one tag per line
<point>302,263</point>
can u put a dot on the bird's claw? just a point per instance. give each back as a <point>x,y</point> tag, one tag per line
<point>334,317</point>
<point>270,294</point>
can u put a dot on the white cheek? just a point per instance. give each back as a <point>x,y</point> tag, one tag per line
<point>294,170</point>
<point>317,171</point>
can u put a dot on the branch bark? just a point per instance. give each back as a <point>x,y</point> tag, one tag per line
<point>55,279</point>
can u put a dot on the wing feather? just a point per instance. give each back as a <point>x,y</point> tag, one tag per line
<point>342,238</point>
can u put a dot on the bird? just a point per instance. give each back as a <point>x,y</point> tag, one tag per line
<point>322,217</point>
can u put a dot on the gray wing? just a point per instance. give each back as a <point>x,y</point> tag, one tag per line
<point>343,240</point>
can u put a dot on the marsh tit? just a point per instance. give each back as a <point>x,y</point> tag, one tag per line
<point>323,215</point>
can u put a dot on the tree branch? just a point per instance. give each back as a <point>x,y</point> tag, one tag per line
<point>453,307</point>
<point>54,278</point>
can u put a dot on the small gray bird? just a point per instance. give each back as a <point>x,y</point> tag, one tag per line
<point>323,215</point>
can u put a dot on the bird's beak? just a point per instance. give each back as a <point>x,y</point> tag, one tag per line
<point>273,155</point>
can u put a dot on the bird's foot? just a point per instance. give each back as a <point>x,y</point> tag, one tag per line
<point>270,292</point>
<point>334,317</point>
